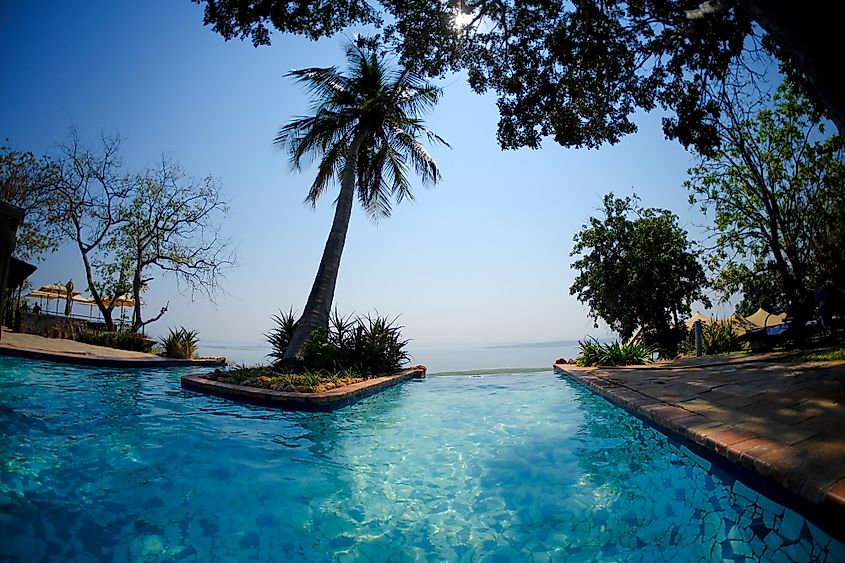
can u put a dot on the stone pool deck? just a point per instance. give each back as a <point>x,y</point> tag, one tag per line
<point>72,352</point>
<point>330,400</point>
<point>784,422</point>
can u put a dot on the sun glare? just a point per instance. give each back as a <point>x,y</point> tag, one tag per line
<point>462,20</point>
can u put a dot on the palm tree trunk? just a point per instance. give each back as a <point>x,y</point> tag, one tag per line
<point>318,307</point>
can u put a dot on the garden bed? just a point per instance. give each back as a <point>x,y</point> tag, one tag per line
<point>319,397</point>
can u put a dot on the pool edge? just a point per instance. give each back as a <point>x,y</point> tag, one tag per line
<point>730,446</point>
<point>100,361</point>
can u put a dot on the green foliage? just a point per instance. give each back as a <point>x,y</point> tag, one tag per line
<point>169,221</point>
<point>761,287</point>
<point>181,343</point>
<point>117,339</point>
<point>279,337</point>
<point>25,183</point>
<point>304,382</point>
<point>366,132</point>
<point>362,345</point>
<point>574,71</point>
<point>776,191</point>
<point>595,353</point>
<point>636,268</point>
<point>719,337</point>
<point>379,107</point>
<point>828,354</point>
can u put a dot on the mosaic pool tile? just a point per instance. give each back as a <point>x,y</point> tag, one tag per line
<point>111,465</point>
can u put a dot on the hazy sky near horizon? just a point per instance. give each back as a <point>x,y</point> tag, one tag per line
<point>482,258</point>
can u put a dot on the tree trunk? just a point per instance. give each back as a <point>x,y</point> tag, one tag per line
<point>318,307</point>
<point>807,34</point>
<point>137,284</point>
<point>98,299</point>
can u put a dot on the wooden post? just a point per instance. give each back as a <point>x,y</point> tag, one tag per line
<point>697,326</point>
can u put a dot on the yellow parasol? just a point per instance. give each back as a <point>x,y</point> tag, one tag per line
<point>42,295</point>
<point>56,289</point>
<point>120,301</point>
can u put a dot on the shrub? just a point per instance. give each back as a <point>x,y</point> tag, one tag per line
<point>279,337</point>
<point>305,382</point>
<point>719,337</point>
<point>594,353</point>
<point>116,339</point>
<point>181,343</point>
<point>370,345</point>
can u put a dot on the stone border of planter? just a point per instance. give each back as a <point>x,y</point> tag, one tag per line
<point>330,400</point>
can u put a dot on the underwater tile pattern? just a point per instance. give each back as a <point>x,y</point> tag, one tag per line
<point>119,465</point>
<point>782,421</point>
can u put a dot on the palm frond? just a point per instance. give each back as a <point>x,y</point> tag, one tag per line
<point>330,168</point>
<point>373,97</point>
<point>424,164</point>
<point>322,83</point>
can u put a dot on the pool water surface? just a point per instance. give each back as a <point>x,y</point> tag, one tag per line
<point>124,465</point>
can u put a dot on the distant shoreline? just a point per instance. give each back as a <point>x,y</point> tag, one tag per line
<point>457,359</point>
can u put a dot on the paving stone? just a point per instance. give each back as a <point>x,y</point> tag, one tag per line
<point>735,451</point>
<point>782,421</point>
<point>801,475</point>
<point>836,495</point>
<point>667,413</point>
<point>687,422</point>
<point>721,439</point>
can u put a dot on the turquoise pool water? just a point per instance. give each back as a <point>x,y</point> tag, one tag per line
<point>119,465</point>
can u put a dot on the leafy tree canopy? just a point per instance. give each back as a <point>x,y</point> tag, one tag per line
<point>25,183</point>
<point>636,268</point>
<point>575,71</point>
<point>760,286</point>
<point>170,223</point>
<point>123,224</point>
<point>776,191</point>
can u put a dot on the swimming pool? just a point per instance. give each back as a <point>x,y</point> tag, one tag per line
<point>118,465</point>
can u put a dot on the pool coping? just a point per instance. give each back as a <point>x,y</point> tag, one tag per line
<point>771,461</point>
<point>102,361</point>
<point>330,400</point>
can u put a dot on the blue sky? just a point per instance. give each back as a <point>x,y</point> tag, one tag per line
<point>482,258</point>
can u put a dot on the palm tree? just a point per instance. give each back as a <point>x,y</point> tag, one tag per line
<point>365,131</point>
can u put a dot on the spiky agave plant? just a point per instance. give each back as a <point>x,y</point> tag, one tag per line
<point>379,346</point>
<point>181,343</point>
<point>595,353</point>
<point>279,337</point>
